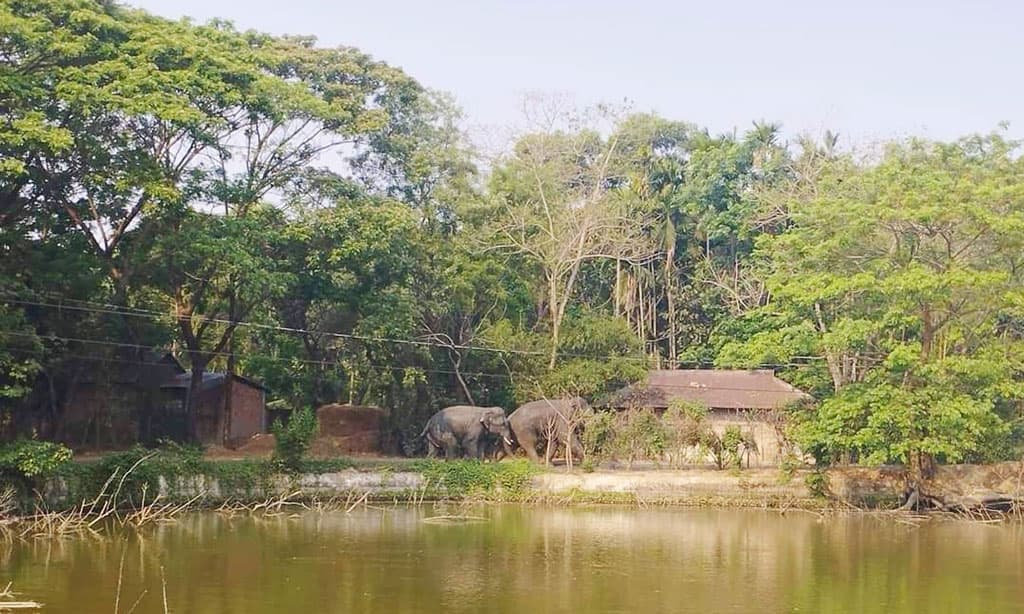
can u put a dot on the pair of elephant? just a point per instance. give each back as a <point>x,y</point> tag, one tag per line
<point>483,432</point>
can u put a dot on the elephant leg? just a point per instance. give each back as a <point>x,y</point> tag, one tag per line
<point>473,448</point>
<point>550,450</point>
<point>577,448</point>
<point>433,447</point>
<point>450,451</point>
<point>529,445</point>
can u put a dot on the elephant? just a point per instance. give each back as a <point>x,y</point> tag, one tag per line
<point>497,449</point>
<point>546,423</point>
<point>468,428</point>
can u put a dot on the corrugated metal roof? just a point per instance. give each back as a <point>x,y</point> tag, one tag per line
<point>211,379</point>
<point>716,389</point>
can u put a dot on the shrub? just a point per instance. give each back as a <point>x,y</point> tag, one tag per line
<point>471,477</point>
<point>644,435</point>
<point>818,484</point>
<point>26,460</point>
<point>293,440</point>
<point>598,436</point>
<point>682,435</point>
<point>732,440</point>
<point>134,476</point>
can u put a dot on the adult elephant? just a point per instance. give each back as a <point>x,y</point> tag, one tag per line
<point>549,423</point>
<point>467,428</point>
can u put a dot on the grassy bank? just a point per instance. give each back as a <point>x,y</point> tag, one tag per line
<point>178,474</point>
<point>132,479</point>
<point>141,486</point>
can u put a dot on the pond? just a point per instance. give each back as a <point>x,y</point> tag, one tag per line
<point>530,559</point>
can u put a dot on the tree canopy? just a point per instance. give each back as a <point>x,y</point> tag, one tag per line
<point>319,221</point>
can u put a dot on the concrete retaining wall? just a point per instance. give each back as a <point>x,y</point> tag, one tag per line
<point>863,487</point>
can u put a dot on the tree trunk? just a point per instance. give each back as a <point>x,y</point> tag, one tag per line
<point>556,320</point>
<point>652,310</point>
<point>927,333</point>
<point>229,379</point>
<point>673,349</point>
<point>618,287</point>
<point>229,390</point>
<point>51,427</point>
<point>670,301</point>
<point>192,398</point>
<point>641,317</point>
<point>834,368</point>
<point>456,359</point>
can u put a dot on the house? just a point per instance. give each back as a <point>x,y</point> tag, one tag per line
<point>751,400</point>
<point>101,398</point>
<point>248,409</point>
<point>115,402</point>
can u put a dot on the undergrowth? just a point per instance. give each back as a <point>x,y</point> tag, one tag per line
<point>472,478</point>
<point>180,467</point>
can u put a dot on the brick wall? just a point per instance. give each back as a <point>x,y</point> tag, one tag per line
<point>248,409</point>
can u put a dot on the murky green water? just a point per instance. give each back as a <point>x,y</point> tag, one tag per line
<point>532,560</point>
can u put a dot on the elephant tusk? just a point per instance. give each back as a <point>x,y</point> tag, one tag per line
<point>507,440</point>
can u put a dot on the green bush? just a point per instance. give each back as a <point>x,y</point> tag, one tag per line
<point>644,435</point>
<point>598,436</point>
<point>133,475</point>
<point>293,440</point>
<point>675,437</point>
<point>25,460</point>
<point>818,484</point>
<point>467,477</point>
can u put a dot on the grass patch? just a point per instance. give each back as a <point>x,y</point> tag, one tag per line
<point>472,478</point>
<point>183,471</point>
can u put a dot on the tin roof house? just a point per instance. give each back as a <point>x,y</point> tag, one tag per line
<point>750,399</point>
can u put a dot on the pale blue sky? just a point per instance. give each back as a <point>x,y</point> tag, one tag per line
<point>871,69</point>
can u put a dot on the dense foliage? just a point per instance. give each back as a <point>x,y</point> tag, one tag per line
<point>681,436</point>
<point>25,460</point>
<point>315,219</point>
<point>293,439</point>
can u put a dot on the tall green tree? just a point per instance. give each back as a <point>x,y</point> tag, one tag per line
<point>904,277</point>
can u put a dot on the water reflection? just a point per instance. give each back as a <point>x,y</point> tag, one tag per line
<point>533,560</point>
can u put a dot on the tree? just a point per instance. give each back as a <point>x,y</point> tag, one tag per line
<point>228,269</point>
<point>903,276</point>
<point>655,151</point>
<point>555,210</point>
<point>347,257</point>
<point>422,159</point>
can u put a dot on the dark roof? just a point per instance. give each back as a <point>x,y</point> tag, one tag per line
<point>211,380</point>
<point>128,368</point>
<point>715,389</point>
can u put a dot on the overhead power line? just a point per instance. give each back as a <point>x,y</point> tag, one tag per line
<point>329,363</point>
<point>224,354</point>
<point>109,309</point>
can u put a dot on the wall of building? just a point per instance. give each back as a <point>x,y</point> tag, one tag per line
<point>771,449</point>
<point>764,428</point>
<point>248,410</point>
<point>248,413</point>
<point>112,416</point>
<point>101,416</point>
<point>208,415</point>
